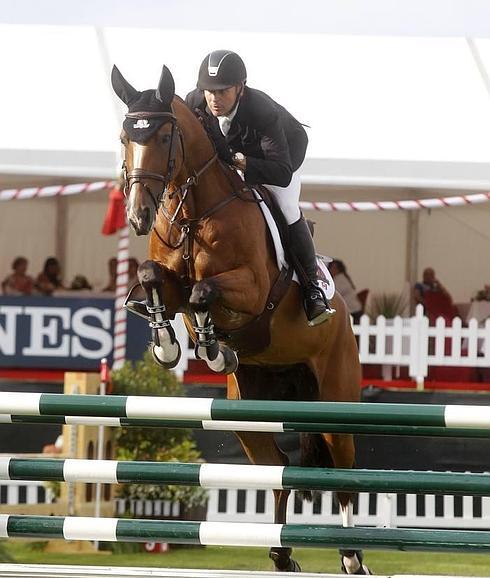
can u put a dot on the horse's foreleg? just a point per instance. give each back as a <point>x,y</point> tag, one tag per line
<point>262,449</point>
<point>219,358</point>
<point>164,347</point>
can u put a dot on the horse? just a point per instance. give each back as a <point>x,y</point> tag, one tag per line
<point>212,259</point>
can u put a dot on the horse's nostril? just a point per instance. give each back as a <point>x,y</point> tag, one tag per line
<point>145,215</point>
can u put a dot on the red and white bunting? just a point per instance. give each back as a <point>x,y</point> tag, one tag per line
<point>53,191</point>
<point>339,206</point>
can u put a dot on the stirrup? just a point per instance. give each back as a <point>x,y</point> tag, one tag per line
<point>136,307</point>
<point>316,294</point>
<point>319,319</point>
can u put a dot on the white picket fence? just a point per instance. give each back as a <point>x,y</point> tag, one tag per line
<point>411,342</point>
<point>388,510</point>
<point>407,342</point>
<point>14,492</point>
<point>375,510</point>
<point>232,505</point>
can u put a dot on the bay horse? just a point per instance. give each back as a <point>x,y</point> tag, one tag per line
<point>211,258</point>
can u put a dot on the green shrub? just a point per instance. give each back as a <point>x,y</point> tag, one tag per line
<point>145,377</point>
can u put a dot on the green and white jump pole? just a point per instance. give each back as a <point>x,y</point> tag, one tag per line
<point>206,409</point>
<point>243,476</point>
<point>240,534</point>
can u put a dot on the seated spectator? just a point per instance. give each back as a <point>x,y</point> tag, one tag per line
<point>133,280</point>
<point>435,298</point>
<point>18,282</point>
<point>49,280</point>
<point>133,265</point>
<point>80,283</point>
<point>111,285</point>
<point>345,286</point>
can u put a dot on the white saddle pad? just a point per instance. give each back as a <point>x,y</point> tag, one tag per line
<point>324,276</point>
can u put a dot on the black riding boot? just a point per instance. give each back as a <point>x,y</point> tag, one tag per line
<point>317,307</point>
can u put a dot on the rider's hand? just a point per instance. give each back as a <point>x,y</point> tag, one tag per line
<point>240,161</point>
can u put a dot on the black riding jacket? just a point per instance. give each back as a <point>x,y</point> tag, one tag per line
<point>273,141</point>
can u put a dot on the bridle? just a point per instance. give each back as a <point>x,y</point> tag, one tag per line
<point>139,175</point>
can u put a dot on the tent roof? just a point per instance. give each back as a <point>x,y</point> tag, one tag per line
<point>383,110</point>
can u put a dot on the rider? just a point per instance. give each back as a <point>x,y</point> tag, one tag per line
<point>264,141</point>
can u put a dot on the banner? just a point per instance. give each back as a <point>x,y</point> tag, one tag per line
<point>63,333</point>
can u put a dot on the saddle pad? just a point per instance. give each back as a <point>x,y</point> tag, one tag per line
<point>324,276</point>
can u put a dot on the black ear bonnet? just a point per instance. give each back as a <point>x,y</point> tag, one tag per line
<point>149,110</point>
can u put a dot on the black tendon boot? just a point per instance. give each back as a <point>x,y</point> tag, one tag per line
<point>317,307</point>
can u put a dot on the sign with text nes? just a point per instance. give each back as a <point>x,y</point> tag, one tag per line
<point>62,332</point>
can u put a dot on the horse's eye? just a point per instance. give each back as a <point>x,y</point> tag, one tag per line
<point>165,139</point>
<point>124,140</point>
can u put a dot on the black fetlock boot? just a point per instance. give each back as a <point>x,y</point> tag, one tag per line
<point>317,307</point>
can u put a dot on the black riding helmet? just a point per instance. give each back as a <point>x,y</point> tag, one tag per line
<point>221,69</point>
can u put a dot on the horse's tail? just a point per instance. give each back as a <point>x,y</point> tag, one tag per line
<point>314,453</point>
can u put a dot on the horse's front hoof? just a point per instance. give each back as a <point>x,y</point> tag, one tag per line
<point>231,361</point>
<point>352,564</point>
<point>283,561</point>
<point>158,353</point>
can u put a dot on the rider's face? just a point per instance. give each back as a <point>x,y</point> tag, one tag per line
<point>221,102</point>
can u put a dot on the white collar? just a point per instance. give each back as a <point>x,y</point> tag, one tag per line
<point>232,114</point>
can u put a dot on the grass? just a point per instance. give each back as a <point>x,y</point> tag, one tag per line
<point>311,559</point>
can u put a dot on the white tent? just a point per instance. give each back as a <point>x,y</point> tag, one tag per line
<point>395,93</point>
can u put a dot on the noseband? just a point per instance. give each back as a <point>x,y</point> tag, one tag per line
<point>141,175</point>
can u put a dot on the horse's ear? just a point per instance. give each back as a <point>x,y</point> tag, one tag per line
<point>121,86</point>
<point>166,87</point>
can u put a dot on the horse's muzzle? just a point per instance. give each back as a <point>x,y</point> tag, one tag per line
<point>142,221</point>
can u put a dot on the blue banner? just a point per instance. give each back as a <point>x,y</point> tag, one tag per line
<point>63,332</point>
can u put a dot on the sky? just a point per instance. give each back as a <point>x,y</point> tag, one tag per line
<point>378,96</point>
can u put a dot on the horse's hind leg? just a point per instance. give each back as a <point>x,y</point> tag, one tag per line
<point>341,447</point>
<point>164,347</point>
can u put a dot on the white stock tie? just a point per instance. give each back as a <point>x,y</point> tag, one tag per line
<point>224,124</point>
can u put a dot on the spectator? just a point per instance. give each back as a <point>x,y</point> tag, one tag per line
<point>435,298</point>
<point>133,265</point>
<point>133,280</point>
<point>111,285</point>
<point>80,283</point>
<point>345,286</point>
<point>49,280</point>
<point>18,282</point>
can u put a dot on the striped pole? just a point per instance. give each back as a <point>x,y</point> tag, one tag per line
<point>120,314</point>
<point>183,408</point>
<point>252,426</point>
<point>239,534</point>
<point>243,476</point>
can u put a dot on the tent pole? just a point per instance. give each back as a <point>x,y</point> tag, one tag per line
<point>412,259</point>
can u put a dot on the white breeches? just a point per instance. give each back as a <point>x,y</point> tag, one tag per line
<point>288,197</point>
